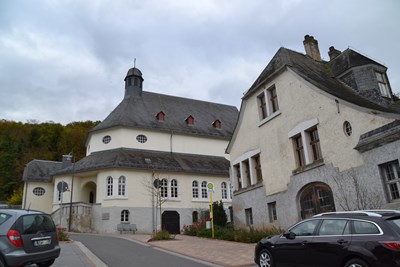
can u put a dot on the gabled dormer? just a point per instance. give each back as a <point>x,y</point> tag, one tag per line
<point>160,116</point>
<point>217,124</point>
<point>190,120</point>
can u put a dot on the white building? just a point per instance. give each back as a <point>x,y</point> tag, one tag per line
<point>149,136</point>
<point>311,134</point>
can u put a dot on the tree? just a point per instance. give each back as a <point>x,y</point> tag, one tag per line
<point>353,194</point>
<point>219,214</point>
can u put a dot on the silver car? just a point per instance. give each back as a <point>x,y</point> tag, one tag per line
<point>27,237</point>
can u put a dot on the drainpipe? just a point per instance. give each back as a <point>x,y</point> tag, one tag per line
<point>170,141</point>
<point>26,192</point>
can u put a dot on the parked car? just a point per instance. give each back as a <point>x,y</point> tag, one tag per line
<point>27,237</point>
<point>337,239</point>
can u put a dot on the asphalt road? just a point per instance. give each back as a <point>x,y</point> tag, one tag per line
<point>118,252</point>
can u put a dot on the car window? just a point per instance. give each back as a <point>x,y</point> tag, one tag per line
<point>34,223</point>
<point>395,223</point>
<point>306,228</point>
<point>4,217</point>
<point>363,227</point>
<point>333,227</point>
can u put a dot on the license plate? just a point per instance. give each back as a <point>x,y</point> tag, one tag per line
<point>43,242</point>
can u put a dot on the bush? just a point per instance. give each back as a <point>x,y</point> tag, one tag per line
<point>62,234</point>
<point>161,235</point>
<point>193,229</point>
<point>254,235</point>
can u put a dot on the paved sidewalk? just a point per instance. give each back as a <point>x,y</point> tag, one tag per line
<point>216,252</point>
<point>219,252</point>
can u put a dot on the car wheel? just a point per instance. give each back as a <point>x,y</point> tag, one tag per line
<point>356,263</point>
<point>45,264</point>
<point>265,259</point>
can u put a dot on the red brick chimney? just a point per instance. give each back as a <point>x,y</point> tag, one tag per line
<point>311,47</point>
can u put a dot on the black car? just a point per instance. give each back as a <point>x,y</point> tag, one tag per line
<point>337,239</point>
<point>27,237</point>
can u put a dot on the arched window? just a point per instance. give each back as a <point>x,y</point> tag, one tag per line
<point>224,191</point>
<point>195,189</point>
<point>316,198</point>
<point>174,188</point>
<point>109,186</point>
<point>204,189</point>
<point>121,186</point>
<point>164,188</point>
<point>125,216</point>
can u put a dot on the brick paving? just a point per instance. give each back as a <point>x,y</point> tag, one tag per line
<point>219,252</point>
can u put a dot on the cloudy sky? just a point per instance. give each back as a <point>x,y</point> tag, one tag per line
<point>66,60</point>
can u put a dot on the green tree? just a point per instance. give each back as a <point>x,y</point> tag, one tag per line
<point>219,215</point>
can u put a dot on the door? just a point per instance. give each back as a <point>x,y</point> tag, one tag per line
<point>170,222</point>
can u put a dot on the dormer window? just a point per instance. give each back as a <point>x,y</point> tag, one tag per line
<point>160,116</point>
<point>217,124</point>
<point>383,84</point>
<point>190,120</point>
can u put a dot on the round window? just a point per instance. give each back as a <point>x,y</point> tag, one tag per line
<point>106,139</point>
<point>347,128</point>
<point>39,191</point>
<point>141,138</point>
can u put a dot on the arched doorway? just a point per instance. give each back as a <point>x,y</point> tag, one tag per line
<point>316,198</point>
<point>89,192</point>
<point>170,221</point>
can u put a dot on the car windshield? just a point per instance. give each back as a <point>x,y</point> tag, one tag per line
<point>395,223</point>
<point>4,217</point>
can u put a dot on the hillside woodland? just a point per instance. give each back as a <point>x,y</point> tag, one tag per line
<point>22,142</point>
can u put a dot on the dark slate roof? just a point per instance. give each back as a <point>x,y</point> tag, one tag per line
<point>140,111</point>
<point>150,160</point>
<point>379,136</point>
<point>40,170</point>
<point>321,74</point>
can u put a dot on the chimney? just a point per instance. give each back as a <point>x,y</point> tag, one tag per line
<point>333,52</point>
<point>66,161</point>
<point>311,47</point>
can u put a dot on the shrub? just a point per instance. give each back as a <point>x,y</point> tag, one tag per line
<point>161,235</point>
<point>62,234</point>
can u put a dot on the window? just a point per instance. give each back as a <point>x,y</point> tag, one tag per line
<point>39,191</point>
<point>306,144</point>
<point>106,139</point>
<point>238,177</point>
<point>141,138</point>
<point>298,145</point>
<point>314,143</point>
<point>391,176</point>
<point>121,186</point>
<point>217,124</point>
<point>190,120</point>
<point>160,116</point>
<point>195,216</point>
<point>272,212</point>
<point>363,227</point>
<point>383,84</point>
<point>125,216</point>
<point>246,167</point>
<point>224,191</point>
<point>174,188</point>
<point>262,106</point>
<point>164,188</point>
<point>195,189</point>
<point>257,166</point>
<point>347,128</point>
<point>333,227</point>
<point>204,193</point>
<point>267,103</point>
<point>249,216</point>
<point>110,183</point>
<point>273,98</point>
<point>306,228</point>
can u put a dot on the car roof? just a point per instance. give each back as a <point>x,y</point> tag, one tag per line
<point>384,214</point>
<point>20,211</point>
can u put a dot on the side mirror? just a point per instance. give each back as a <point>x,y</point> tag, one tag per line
<point>289,235</point>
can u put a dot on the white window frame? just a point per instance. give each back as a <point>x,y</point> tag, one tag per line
<point>266,110</point>
<point>224,191</point>
<point>245,164</point>
<point>174,188</point>
<point>121,186</point>
<point>125,216</point>
<point>109,186</point>
<point>391,179</point>
<point>204,190</point>
<point>195,189</point>
<point>383,84</point>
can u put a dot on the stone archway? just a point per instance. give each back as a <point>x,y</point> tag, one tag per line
<point>89,192</point>
<point>316,198</point>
